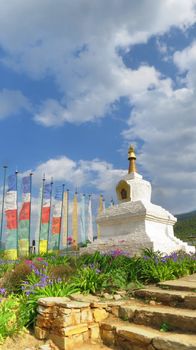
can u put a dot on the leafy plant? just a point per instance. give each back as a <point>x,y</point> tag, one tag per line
<point>165,327</point>
<point>89,280</point>
<point>9,321</point>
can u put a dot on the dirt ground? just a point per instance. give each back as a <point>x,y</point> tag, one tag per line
<point>23,341</point>
<point>26,341</point>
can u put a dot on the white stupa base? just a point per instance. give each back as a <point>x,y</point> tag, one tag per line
<point>133,226</point>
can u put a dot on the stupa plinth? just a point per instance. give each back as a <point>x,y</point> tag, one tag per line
<point>136,223</point>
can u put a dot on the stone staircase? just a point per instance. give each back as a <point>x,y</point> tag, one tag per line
<point>160,318</point>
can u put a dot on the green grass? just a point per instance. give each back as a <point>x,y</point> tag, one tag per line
<point>185,228</point>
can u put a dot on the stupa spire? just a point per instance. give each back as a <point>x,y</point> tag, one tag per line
<point>132,159</point>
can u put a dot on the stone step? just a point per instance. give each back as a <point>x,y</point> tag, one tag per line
<point>156,316</point>
<point>186,283</point>
<point>129,336</point>
<point>182,299</point>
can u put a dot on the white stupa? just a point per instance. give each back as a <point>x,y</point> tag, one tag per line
<point>135,223</point>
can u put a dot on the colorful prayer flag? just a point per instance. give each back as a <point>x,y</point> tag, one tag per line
<point>90,222</point>
<point>75,220</point>
<point>83,219</point>
<point>11,213</point>
<point>45,217</point>
<point>56,219</point>
<point>24,217</point>
<point>65,219</point>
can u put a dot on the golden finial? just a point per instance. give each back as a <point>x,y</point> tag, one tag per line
<point>132,158</point>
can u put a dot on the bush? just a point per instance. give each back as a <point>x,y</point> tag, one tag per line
<point>89,280</point>
<point>13,279</point>
<point>10,321</point>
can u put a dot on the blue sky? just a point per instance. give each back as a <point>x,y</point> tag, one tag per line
<point>80,81</point>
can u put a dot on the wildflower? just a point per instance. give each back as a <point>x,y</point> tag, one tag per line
<point>3,291</point>
<point>39,259</point>
<point>28,262</point>
<point>145,257</point>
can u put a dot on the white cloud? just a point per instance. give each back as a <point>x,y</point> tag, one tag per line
<point>12,102</point>
<point>164,119</point>
<point>96,174</point>
<point>76,43</point>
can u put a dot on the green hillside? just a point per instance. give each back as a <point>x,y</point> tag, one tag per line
<point>185,228</point>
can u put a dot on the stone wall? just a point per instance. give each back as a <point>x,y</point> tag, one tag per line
<point>69,323</point>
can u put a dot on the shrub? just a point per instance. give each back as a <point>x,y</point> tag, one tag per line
<point>13,279</point>
<point>89,280</point>
<point>9,317</point>
<point>61,271</point>
<point>32,292</point>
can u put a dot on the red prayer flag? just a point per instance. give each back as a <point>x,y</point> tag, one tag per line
<point>45,215</point>
<point>11,218</point>
<point>25,212</point>
<point>56,225</point>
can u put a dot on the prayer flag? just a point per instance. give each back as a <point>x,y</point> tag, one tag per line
<point>11,213</point>
<point>24,217</point>
<point>90,221</point>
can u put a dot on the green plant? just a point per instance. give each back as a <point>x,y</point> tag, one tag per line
<point>116,279</point>
<point>9,317</point>
<point>89,280</point>
<point>165,327</point>
<point>29,298</point>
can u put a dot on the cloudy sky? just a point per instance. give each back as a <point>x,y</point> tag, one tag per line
<point>80,80</point>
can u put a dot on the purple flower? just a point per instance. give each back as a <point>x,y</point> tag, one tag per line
<point>3,291</point>
<point>145,257</point>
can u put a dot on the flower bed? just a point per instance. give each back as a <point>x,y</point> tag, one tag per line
<point>23,282</point>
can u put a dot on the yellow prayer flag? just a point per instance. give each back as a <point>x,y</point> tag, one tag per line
<point>65,219</point>
<point>75,221</point>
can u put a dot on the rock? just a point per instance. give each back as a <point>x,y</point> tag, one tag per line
<point>45,347</point>
<point>152,302</point>
<point>174,344</point>
<point>108,296</point>
<point>85,298</point>
<point>41,333</point>
<point>100,315</point>
<point>108,337</point>
<point>86,315</point>
<point>73,304</point>
<point>126,312</point>
<point>94,331</point>
<point>51,301</point>
<point>43,310</point>
<point>117,297</point>
<point>71,330</point>
<point>62,342</point>
<point>100,304</point>
<point>121,292</point>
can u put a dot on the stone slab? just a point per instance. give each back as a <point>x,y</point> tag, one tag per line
<point>169,297</point>
<point>155,316</point>
<point>147,338</point>
<point>187,283</point>
<point>52,301</point>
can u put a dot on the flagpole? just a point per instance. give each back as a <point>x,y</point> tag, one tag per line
<point>40,224</point>
<point>16,173</point>
<point>49,224</point>
<point>3,202</point>
<point>59,241</point>
<point>30,175</point>
<point>67,217</point>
